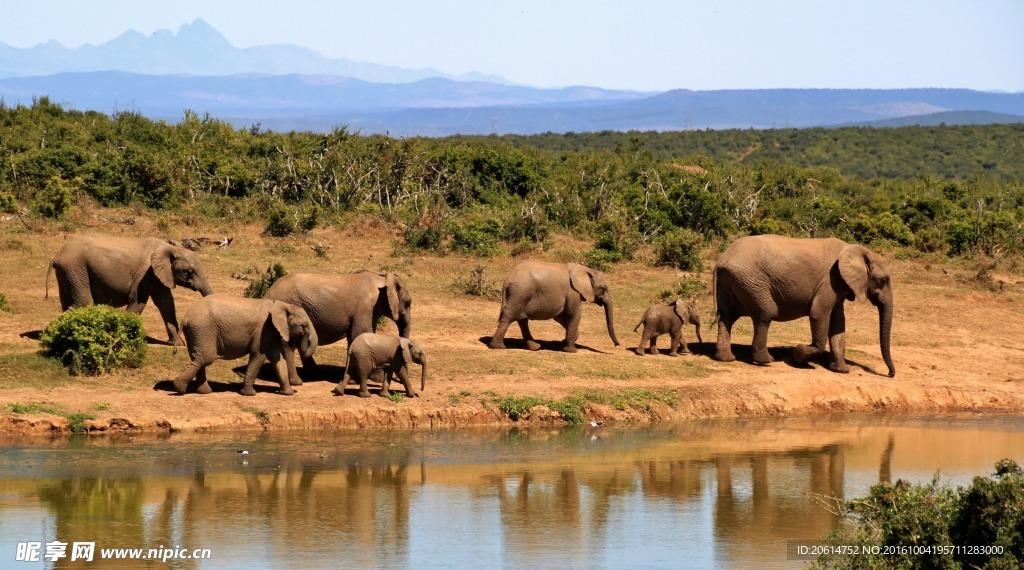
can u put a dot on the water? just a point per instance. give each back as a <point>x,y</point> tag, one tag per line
<point>710,494</point>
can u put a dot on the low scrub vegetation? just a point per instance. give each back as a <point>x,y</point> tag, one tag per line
<point>572,408</point>
<point>95,340</point>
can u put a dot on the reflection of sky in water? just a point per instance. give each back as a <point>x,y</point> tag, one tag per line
<point>724,494</point>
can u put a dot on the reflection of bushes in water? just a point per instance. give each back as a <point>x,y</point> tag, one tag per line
<point>95,499</point>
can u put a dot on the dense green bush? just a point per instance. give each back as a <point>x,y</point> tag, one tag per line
<point>261,283</point>
<point>988,513</point>
<point>681,248</point>
<point>56,196</point>
<point>95,339</point>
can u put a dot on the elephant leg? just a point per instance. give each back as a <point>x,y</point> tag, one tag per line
<point>652,347</point>
<point>385,385</point>
<point>310,367</point>
<point>644,339</point>
<point>524,326</point>
<point>339,390</point>
<point>723,346</point>
<point>837,339</point>
<point>403,375</point>
<point>202,386</point>
<point>293,373</point>
<point>182,380</point>
<point>677,345</point>
<point>760,343</point>
<point>281,369</point>
<point>498,339</point>
<point>572,330</point>
<point>819,336</point>
<point>165,304</point>
<point>364,392</point>
<point>255,363</point>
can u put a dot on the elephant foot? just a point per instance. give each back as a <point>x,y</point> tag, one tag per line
<point>288,392</point>
<point>247,391</point>
<point>652,351</point>
<point>496,345</point>
<point>180,387</point>
<point>639,351</point>
<point>840,367</point>
<point>204,388</point>
<point>532,345</point>
<point>412,394</point>
<point>338,391</point>
<point>295,381</point>
<point>723,356</point>
<point>569,348</point>
<point>803,352</point>
<point>673,354</point>
<point>363,394</point>
<point>762,358</point>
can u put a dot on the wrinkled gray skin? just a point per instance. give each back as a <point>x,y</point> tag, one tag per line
<point>125,272</point>
<point>372,352</point>
<point>224,327</point>
<point>661,319</point>
<point>774,278</point>
<point>537,291</point>
<point>345,306</point>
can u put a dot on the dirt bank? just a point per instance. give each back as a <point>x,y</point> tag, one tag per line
<point>956,345</point>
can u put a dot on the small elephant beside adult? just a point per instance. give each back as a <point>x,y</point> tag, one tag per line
<point>345,305</point>
<point>668,318</point>
<point>125,272</point>
<point>775,278</point>
<point>538,290</point>
<point>371,352</point>
<point>222,327</point>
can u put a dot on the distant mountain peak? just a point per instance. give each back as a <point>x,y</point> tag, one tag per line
<point>199,31</point>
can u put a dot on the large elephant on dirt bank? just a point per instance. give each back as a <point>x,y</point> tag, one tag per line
<point>225,327</point>
<point>345,306</point>
<point>774,278</point>
<point>537,290</point>
<point>125,272</point>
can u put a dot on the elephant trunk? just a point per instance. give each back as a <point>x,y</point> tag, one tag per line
<point>609,319</point>
<point>202,285</point>
<point>696,327</point>
<point>404,323</point>
<point>885,334</point>
<point>308,345</point>
<point>423,373</point>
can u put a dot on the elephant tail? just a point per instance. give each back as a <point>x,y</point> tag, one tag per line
<point>638,325</point>
<point>49,270</point>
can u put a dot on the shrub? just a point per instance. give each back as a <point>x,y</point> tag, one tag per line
<point>55,198</point>
<point>475,285</point>
<point>258,287</point>
<point>990,513</point>
<point>601,259</point>
<point>426,238</point>
<point>8,205</point>
<point>95,340</point>
<point>681,248</point>
<point>5,305</point>
<point>476,237</point>
<point>280,222</point>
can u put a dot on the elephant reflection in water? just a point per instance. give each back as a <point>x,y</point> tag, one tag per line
<point>754,519</point>
<point>544,513</point>
<point>682,480</point>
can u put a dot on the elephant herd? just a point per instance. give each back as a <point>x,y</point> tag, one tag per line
<point>767,278</point>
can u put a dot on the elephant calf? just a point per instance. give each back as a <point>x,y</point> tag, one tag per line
<point>225,327</point>
<point>370,352</point>
<point>661,319</point>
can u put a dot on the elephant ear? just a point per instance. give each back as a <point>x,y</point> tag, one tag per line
<point>582,281</point>
<point>394,287</point>
<point>854,270</point>
<point>680,309</point>
<point>279,317</point>
<point>406,351</point>
<point>162,262</point>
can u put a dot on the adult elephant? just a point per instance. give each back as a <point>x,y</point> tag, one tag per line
<point>774,278</point>
<point>125,272</point>
<point>537,290</point>
<point>347,305</point>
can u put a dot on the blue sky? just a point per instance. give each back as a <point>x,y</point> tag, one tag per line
<point>639,44</point>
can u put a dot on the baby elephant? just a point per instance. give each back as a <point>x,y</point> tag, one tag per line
<point>225,327</point>
<point>661,319</point>
<point>371,351</point>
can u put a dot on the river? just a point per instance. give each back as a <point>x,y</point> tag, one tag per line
<point>702,494</point>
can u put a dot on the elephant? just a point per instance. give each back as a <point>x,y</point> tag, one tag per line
<point>125,272</point>
<point>775,278</point>
<point>371,352</point>
<point>669,318</point>
<point>538,290</point>
<point>345,306</point>
<point>225,327</point>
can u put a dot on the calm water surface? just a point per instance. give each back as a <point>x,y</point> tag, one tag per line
<point>710,494</point>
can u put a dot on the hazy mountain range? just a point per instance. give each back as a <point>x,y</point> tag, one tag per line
<point>285,87</point>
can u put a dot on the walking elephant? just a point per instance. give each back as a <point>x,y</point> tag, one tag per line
<point>537,290</point>
<point>372,352</point>
<point>662,319</point>
<point>224,327</point>
<point>125,272</point>
<point>774,278</point>
<point>347,305</point>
